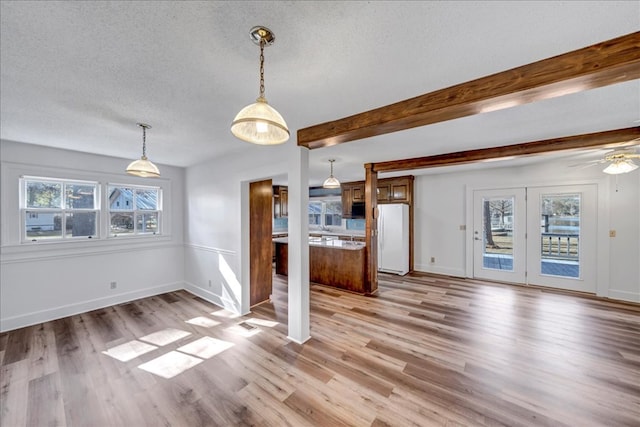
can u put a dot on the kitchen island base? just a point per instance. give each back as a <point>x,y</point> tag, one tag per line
<point>341,267</point>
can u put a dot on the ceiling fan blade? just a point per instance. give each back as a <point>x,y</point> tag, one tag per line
<point>588,164</point>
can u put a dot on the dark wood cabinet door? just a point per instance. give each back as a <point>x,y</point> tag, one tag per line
<point>383,192</point>
<point>260,241</point>
<point>347,201</point>
<point>358,193</point>
<point>284,202</point>
<point>400,193</point>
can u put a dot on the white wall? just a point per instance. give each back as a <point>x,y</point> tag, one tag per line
<point>46,280</point>
<point>441,204</point>
<point>215,216</point>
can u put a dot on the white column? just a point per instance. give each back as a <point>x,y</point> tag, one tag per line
<point>298,182</point>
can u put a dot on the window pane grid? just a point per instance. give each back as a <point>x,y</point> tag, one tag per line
<point>59,209</point>
<point>133,210</point>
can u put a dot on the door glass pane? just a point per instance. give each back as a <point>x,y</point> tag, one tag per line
<point>497,233</point>
<point>560,234</point>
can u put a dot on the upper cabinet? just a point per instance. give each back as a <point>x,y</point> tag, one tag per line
<point>395,190</point>
<point>280,201</point>
<point>390,190</point>
<point>351,192</point>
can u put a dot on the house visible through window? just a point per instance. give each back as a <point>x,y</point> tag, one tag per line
<point>59,209</point>
<point>134,210</point>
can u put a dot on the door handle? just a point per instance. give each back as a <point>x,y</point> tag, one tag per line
<point>476,238</point>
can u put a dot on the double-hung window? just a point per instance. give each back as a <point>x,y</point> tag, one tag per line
<point>134,210</point>
<point>54,209</point>
<point>325,212</point>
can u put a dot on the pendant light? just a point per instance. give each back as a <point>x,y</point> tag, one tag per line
<point>260,123</point>
<point>332,181</point>
<point>143,167</point>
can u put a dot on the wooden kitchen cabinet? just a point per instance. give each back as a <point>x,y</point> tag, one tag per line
<point>389,190</point>
<point>351,192</point>
<point>280,201</point>
<point>384,192</point>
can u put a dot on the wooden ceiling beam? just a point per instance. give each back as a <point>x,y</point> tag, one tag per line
<point>606,63</point>
<point>611,138</point>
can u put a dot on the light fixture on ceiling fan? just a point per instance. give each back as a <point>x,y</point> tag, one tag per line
<point>332,181</point>
<point>260,123</point>
<point>143,167</point>
<point>620,162</point>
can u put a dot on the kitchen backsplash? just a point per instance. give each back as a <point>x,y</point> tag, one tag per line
<point>355,224</point>
<point>280,224</point>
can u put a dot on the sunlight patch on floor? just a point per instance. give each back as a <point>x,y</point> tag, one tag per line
<point>205,347</point>
<point>171,364</point>
<point>205,322</point>
<point>129,350</point>
<point>225,313</point>
<point>165,336</point>
<point>262,322</point>
<point>244,330</point>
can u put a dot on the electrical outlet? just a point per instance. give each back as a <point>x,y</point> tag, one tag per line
<point>433,259</point>
<point>209,282</point>
<point>463,227</point>
<point>113,285</point>
<point>612,233</point>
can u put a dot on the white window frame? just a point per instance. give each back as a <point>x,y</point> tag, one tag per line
<point>134,211</point>
<point>62,210</point>
<point>323,214</point>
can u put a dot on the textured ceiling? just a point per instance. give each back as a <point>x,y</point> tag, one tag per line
<point>79,75</point>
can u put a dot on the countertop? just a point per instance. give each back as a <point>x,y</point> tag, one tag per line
<point>328,242</point>
<point>342,233</point>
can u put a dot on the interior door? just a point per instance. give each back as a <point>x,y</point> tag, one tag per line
<point>499,230</point>
<point>260,241</point>
<point>561,244</point>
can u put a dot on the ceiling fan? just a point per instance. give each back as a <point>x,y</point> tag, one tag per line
<point>619,161</point>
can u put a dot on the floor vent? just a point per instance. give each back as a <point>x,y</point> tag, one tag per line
<point>247,326</point>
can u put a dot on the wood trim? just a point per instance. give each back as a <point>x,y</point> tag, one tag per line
<point>611,138</point>
<point>602,64</point>
<point>371,228</point>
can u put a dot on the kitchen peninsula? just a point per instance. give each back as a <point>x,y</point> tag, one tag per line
<point>332,262</point>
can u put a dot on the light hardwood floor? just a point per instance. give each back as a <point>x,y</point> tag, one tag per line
<point>428,351</point>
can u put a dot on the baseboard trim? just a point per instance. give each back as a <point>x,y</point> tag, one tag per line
<point>211,297</point>
<point>16,322</point>
<point>624,295</point>
<point>445,271</point>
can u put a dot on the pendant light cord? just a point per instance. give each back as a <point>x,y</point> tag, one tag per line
<point>144,142</point>
<point>262,42</point>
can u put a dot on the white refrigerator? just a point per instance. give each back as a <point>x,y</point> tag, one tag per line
<point>393,238</point>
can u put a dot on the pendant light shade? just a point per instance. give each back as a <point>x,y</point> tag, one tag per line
<point>260,123</point>
<point>620,166</point>
<point>143,167</point>
<point>332,181</point>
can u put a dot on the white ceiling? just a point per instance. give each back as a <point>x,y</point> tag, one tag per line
<point>80,74</point>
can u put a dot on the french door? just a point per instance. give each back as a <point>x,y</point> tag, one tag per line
<point>543,236</point>
<point>561,231</point>
<point>499,235</point>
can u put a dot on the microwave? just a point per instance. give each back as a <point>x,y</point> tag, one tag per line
<point>357,210</point>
